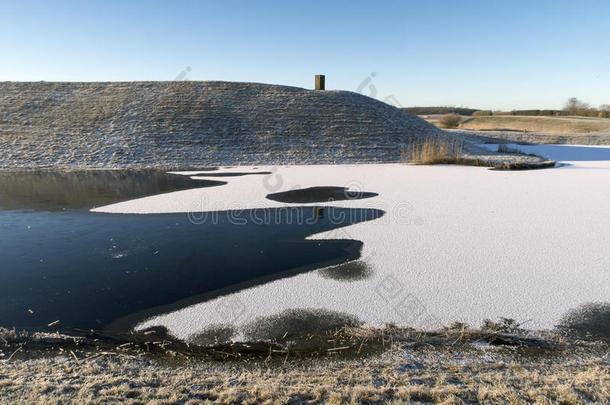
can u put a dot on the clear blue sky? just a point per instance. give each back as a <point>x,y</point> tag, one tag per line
<point>484,54</point>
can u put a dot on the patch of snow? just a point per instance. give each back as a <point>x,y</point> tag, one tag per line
<point>457,243</point>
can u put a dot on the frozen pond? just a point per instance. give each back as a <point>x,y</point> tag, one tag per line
<point>226,249</point>
<point>456,244</point>
<point>87,270</point>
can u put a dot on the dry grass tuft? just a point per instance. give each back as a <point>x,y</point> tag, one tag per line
<point>430,151</point>
<point>450,121</point>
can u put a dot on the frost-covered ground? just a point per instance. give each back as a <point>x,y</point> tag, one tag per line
<point>456,244</point>
<point>423,374</point>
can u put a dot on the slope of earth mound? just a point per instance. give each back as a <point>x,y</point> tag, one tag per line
<point>179,124</point>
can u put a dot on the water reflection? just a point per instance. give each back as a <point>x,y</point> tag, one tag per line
<point>59,190</point>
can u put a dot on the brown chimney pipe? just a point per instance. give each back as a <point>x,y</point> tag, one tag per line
<point>320,79</point>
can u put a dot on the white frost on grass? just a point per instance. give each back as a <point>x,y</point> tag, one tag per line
<point>456,244</point>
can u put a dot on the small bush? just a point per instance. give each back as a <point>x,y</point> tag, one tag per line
<point>588,320</point>
<point>482,113</point>
<point>450,121</point>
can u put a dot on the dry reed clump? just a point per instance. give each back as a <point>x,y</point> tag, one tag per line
<point>429,151</point>
<point>450,121</point>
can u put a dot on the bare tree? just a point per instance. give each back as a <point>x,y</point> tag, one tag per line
<point>576,107</point>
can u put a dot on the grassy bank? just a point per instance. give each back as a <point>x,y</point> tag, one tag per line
<point>352,365</point>
<point>447,377</point>
<point>552,125</point>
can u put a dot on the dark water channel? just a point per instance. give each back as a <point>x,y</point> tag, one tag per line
<point>60,262</point>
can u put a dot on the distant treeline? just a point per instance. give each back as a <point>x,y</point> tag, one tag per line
<point>439,110</point>
<point>479,113</point>
<point>532,113</point>
<point>584,112</point>
<point>573,107</point>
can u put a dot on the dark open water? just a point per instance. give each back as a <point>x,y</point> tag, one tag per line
<point>60,262</point>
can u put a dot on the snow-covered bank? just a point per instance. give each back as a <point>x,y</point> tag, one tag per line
<point>457,244</point>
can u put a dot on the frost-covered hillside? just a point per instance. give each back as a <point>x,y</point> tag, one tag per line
<point>171,124</point>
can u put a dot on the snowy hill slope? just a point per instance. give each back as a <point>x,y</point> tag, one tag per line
<point>172,124</point>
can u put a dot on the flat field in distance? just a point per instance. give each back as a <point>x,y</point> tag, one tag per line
<point>553,125</point>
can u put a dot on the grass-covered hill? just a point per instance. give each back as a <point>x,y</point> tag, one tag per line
<point>177,124</point>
